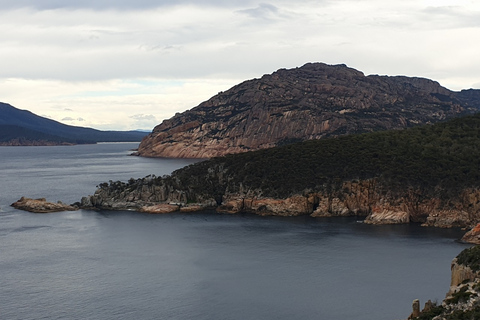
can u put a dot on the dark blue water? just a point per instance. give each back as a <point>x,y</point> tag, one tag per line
<point>127,265</point>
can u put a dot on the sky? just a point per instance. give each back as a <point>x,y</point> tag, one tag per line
<point>126,65</point>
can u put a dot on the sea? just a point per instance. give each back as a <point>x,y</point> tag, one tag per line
<point>203,266</point>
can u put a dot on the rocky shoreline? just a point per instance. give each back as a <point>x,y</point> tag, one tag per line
<point>462,301</point>
<point>361,199</point>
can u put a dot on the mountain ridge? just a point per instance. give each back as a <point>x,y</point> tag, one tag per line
<point>310,102</point>
<point>22,127</point>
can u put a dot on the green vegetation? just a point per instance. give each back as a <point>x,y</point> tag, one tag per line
<point>473,314</point>
<point>470,257</point>
<point>437,160</point>
<point>21,135</point>
<point>428,315</point>
<point>443,159</point>
<point>461,295</point>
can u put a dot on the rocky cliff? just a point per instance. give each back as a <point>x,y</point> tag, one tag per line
<point>311,102</point>
<point>463,299</point>
<point>364,198</point>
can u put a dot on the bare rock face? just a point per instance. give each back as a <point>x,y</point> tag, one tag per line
<point>160,208</point>
<point>382,215</point>
<point>472,236</point>
<point>41,205</point>
<point>311,102</point>
<point>460,273</point>
<point>292,206</point>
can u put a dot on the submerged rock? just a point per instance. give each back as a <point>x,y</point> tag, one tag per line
<point>41,205</point>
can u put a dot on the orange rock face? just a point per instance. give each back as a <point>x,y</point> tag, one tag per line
<point>473,236</point>
<point>160,208</point>
<point>311,102</point>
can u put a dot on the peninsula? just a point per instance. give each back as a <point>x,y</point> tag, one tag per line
<point>428,174</point>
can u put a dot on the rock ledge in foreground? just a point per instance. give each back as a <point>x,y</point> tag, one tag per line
<point>41,205</point>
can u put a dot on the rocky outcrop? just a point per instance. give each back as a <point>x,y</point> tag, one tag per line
<point>292,206</point>
<point>144,196</point>
<point>160,208</point>
<point>41,205</point>
<point>311,102</point>
<point>472,236</point>
<point>463,299</point>
<point>460,274</point>
<point>386,215</point>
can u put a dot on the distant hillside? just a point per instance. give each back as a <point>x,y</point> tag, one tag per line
<point>311,102</point>
<point>21,127</point>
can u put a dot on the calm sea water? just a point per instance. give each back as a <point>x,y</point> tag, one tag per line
<point>127,265</point>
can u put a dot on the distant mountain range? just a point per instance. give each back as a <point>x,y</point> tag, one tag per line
<point>310,102</point>
<point>22,127</point>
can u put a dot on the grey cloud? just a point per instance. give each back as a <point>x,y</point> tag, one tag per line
<point>452,16</point>
<point>144,117</point>
<point>113,4</point>
<point>72,119</point>
<point>263,11</point>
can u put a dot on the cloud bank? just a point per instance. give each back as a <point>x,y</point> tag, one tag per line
<point>109,60</point>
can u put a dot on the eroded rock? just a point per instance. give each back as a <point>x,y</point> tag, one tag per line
<point>41,205</point>
<point>387,215</point>
<point>473,236</point>
<point>160,208</point>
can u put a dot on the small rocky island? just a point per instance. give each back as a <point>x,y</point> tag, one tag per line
<point>41,205</point>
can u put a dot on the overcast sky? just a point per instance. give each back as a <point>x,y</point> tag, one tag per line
<point>125,65</point>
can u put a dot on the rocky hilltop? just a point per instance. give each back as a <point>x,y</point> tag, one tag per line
<point>310,102</point>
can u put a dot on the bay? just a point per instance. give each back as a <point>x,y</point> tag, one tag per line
<point>127,265</point>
